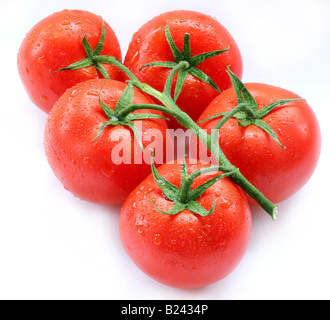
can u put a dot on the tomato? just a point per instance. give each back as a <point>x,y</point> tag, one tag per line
<point>277,172</point>
<point>88,162</point>
<point>186,250</point>
<point>56,42</point>
<point>150,44</point>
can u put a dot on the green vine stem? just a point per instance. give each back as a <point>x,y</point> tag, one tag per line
<point>184,119</point>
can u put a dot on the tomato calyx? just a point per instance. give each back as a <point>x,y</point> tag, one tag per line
<point>185,198</point>
<point>193,62</point>
<point>91,56</point>
<point>247,112</point>
<point>122,114</point>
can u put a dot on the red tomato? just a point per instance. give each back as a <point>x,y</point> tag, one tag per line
<point>149,44</point>
<point>186,250</point>
<point>56,42</point>
<point>87,166</point>
<point>278,173</point>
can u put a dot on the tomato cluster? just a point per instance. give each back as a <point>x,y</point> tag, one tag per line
<point>186,223</point>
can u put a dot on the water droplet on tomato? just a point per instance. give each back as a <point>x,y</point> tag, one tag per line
<point>44,99</point>
<point>226,204</point>
<point>86,160</point>
<point>157,240</point>
<point>139,224</point>
<point>93,93</point>
<point>42,59</point>
<point>108,173</point>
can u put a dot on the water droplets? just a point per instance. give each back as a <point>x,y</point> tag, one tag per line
<point>139,224</point>
<point>72,95</point>
<point>226,204</point>
<point>108,173</point>
<point>65,22</point>
<point>157,240</point>
<point>86,160</point>
<point>42,59</point>
<point>44,99</point>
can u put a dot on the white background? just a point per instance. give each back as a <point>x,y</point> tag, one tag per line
<point>53,246</point>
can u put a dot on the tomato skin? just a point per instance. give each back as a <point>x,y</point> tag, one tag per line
<point>186,250</point>
<point>149,44</point>
<point>278,173</point>
<point>55,43</point>
<point>85,166</point>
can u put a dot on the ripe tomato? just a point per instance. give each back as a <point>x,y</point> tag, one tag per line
<point>149,44</point>
<point>88,166</point>
<point>56,42</point>
<point>278,173</point>
<point>186,250</point>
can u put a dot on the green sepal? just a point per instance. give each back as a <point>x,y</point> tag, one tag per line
<point>108,111</point>
<point>77,65</point>
<point>266,110</point>
<point>195,207</point>
<point>196,60</point>
<point>135,131</point>
<point>92,56</point>
<point>216,116</point>
<point>178,56</point>
<point>126,98</point>
<point>184,173</point>
<point>192,206</point>
<point>242,94</point>
<point>204,77</point>
<point>168,64</point>
<point>182,76</point>
<point>199,191</point>
<point>88,49</point>
<point>170,191</point>
<point>185,55</point>
<point>100,45</point>
<point>125,101</point>
<point>176,209</point>
<point>265,127</point>
<point>247,112</point>
<point>185,198</point>
<point>103,126</point>
<point>101,69</point>
<point>186,52</point>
